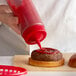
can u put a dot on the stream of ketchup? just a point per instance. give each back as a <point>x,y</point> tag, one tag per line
<point>39,44</point>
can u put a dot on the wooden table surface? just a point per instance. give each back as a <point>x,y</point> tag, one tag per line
<point>22,61</point>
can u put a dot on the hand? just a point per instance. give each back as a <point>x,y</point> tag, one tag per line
<point>8,18</point>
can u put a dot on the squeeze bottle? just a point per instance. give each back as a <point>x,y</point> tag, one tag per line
<point>31,26</point>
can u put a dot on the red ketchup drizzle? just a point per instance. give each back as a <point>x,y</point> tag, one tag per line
<point>38,43</point>
<point>47,51</point>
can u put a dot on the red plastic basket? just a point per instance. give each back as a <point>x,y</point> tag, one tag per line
<point>12,71</point>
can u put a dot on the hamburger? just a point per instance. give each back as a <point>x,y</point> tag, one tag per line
<point>46,57</point>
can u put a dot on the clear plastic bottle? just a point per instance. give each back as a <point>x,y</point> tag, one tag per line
<point>32,28</point>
